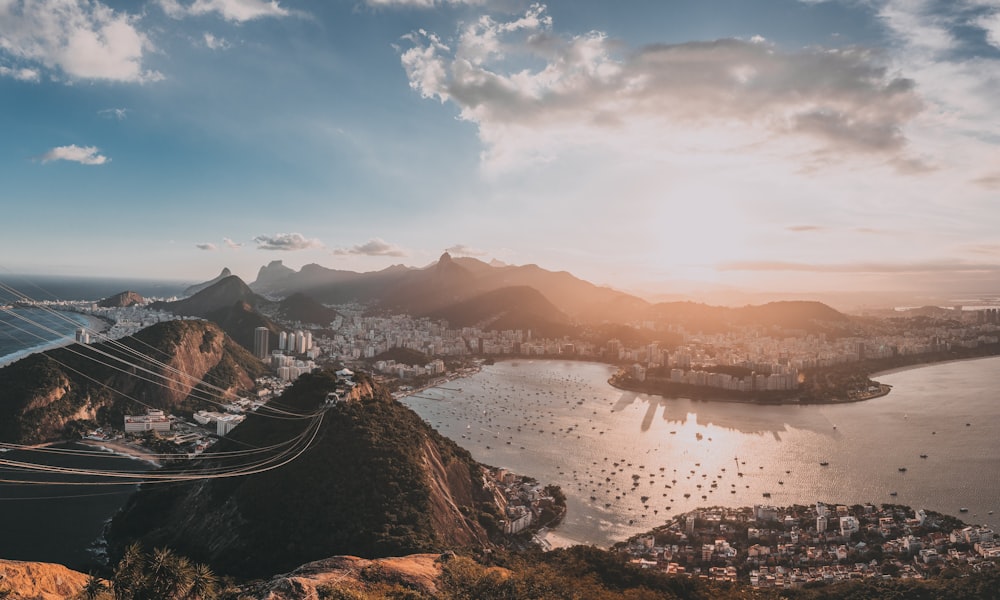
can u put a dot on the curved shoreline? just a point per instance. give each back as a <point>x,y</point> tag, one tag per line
<point>884,390</point>
<point>124,450</point>
<point>707,396</point>
<point>931,364</point>
<point>92,323</point>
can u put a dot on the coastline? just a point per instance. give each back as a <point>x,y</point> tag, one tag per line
<point>94,324</point>
<point>123,449</point>
<point>930,364</point>
<point>795,401</point>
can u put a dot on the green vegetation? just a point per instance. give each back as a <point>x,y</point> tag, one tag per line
<point>45,394</point>
<point>363,488</point>
<point>303,308</point>
<point>404,356</point>
<point>158,575</point>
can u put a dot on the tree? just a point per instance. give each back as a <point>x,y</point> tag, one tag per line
<point>94,588</point>
<point>129,574</point>
<point>168,575</point>
<point>204,585</point>
<point>160,575</point>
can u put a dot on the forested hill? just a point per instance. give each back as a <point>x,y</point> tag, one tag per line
<point>375,481</point>
<point>56,394</point>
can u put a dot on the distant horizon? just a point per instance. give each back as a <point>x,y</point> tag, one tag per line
<point>719,296</point>
<point>827,146</point>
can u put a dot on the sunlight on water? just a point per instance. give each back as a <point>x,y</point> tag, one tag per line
<point>628,461</point>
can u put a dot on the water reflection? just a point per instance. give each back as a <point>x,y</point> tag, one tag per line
<point>624,470</point>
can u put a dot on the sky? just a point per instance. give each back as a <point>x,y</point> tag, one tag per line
<point>656,146</point>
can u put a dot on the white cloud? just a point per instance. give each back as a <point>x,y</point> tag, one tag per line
<point>990,24</point>
<point>463,250</point>
<point>917,24</point>
<point>114,113</point>
<point>286,241</point>
<point>419,3</point>
<point>231,244</point>
<point>215,43</point>
<point>373,247</point>
<point>83,39</point>
<point>206,246</point>
<point>22,74</point>
<point>86,155</point>
<point>731,93</point>
<point>231,10</point>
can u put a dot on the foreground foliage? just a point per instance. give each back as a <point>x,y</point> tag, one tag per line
<point>158,575</point>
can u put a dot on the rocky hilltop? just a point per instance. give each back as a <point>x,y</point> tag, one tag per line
<point>122,299</point>
<point>53,394</point>
<point>375,481</point>
<point>39,581</point>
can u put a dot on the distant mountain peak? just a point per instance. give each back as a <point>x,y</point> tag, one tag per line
<point>126,298</point>
<point>194,289</point>
<point>445,258</point>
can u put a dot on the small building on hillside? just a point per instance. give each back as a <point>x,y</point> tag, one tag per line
<point>153,420</point>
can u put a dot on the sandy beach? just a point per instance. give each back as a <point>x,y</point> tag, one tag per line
<point>93,324</point>
<point>125,449</point>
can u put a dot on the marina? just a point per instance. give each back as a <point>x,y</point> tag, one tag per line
<point>560,422</point>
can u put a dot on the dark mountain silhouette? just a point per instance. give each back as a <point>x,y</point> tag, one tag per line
<point>300,307</point>
<point>240,320</point>
<point>448,281</point>
<point>194,289</point>
<point>805,315</point>
<point>421,291</point>
<point>374,481</point>
<point>329,286</point>
<point>121,300</point>
<point>221,294</point>
<point>272,275</point>
<point>45,394</point>
<point>515,307</point>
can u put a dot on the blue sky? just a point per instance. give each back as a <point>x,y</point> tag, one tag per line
<point>651,145</point>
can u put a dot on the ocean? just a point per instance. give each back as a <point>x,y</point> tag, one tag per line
<point>19,338</point>
<point>30,330</point>
<point>628,461</point>
<point>60,523</point>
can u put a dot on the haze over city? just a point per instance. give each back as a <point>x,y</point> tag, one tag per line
<point>678,147</point>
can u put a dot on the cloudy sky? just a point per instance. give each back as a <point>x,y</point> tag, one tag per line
<point>782,144</point>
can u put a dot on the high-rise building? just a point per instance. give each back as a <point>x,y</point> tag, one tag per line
<point>260,340</point>
<point>283,340</point>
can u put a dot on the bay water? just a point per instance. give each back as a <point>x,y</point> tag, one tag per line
<point>628,461</point>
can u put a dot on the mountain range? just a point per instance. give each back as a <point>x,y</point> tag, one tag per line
<point>444,283</point>
<point>466,292</point>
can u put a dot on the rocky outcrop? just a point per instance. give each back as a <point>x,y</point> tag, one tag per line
<point>39,581</point>
<point>47,392</point>
<point>122,299</point>
<point>418,572</point>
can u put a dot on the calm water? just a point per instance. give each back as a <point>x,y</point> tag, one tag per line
<point>561,422</point>
<point>19,338</point>
<point>59,523</point>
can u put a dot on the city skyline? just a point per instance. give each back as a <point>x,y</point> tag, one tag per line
<point>783,145</point>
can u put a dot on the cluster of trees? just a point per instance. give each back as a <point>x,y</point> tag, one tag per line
<point>160,574</point>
